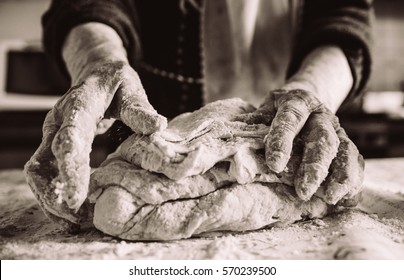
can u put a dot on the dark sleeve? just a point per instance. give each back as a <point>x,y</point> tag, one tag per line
<point>63,15</point>
<point>345,23</point>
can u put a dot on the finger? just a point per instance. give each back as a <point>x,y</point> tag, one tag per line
<point>321,147</point>
<point>41,168</point>
<point>40,171</point>
<point>293,110</point>
<point>81,108</point>
<point>135,109</point>
<point>346,171</point>
<point>257,117</point>
<point>287,176</point>
<point>351,201</point>
<point>263,115</point>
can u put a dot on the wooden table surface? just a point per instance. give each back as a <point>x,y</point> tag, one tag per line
<point>373,230</point>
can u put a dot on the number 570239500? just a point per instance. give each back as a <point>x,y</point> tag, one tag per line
<point>248,270</point>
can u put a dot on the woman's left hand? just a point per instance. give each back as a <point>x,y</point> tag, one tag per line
<point>330,159</point>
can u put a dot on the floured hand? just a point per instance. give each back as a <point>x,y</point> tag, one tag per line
<point>105,87</point>
<point>330,159</point>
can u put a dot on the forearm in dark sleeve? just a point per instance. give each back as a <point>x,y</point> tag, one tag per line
<point>63,15</point>
<point>345,23</point>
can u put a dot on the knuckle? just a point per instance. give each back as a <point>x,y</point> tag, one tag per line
<point>109,72</point>
<point>328,139</point>
<point>278,139</point>
<point>286,122</point>
<point>73,95</point>
<point>113,66</point>
<point>331,140</point>
<point>60,140</point>
<point>349,148</point>
<point>316,171</point>
<point>341,132</point>
<point>339,171</point>
<point>30,167</point>
<point>347,171</point>
<point>273,144</point>
<point>51,119</point>
<point>303,98</point>
<point>284,129</point>
<point>294,112</point>
<point>320,130</point>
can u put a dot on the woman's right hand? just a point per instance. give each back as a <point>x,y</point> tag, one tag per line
<point>104,85</point>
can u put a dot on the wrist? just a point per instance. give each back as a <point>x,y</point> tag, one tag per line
<point>326,74</point>
<point>313,89</point>
<point>89,45</point>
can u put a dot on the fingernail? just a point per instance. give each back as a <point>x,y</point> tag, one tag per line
<point>349,202</point>
<point>161,123</point>
<point>276,161</point>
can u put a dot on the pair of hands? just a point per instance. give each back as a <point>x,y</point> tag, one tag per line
<point>59,171</point>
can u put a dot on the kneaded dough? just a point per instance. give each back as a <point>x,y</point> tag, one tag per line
<point>205,173</point>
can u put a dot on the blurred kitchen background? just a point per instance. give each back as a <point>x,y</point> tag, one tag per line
<point>29,85</point>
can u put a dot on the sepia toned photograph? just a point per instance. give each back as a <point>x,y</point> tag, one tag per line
<point>202,130</point>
